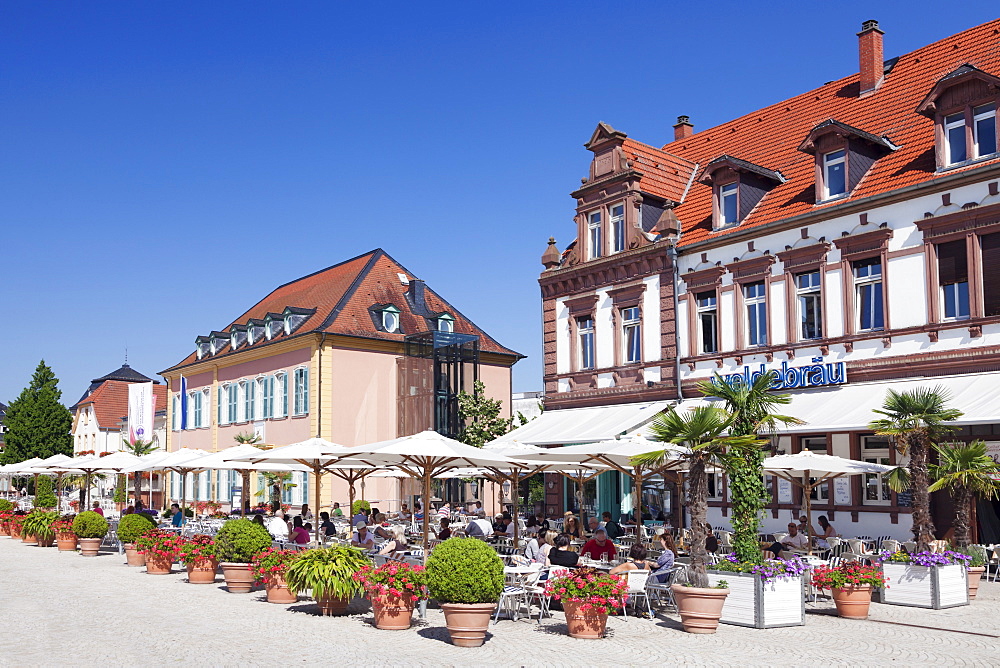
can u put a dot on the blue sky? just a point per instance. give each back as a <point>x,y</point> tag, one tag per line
<point>165,165</point>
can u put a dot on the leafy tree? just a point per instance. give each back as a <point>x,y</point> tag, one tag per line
<point>44,496</point>
<point>703,431</point>
<point>481,417</point>
<point>967,471</point>
<point>276,482</point>
<point>752,408</point>
<point>246,438</point>
<point>38,425</point>
<point>914,420</point>
<point>139,448</point>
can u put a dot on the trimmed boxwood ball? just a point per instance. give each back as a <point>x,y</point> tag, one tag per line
<point>238,541</point>
<point>134,525</point>
<point>464,570</point>
<point>89,524</point>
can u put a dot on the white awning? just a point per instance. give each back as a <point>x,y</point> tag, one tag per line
<point>849,407</point>
<point>584,425</point>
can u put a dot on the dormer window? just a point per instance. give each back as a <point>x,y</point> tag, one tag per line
<point>958,147</point>
<point>728,204</point>
<point>844,154</point>
<point>445,323</point>
<point>963,105</point>
<point>834,174</point>
<point>738,187</point>
<point>594,236</point>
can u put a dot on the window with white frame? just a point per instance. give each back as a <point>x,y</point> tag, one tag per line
<point>617,221</point>
<point>206,400</point>
<point>232,403</point>
<point>708,322</point>
<point>594,236</point>
<point>445,323</point>
<point>631,334</point>
<point>834,173</point>
<point>585,337</point>
<point>715,486</point>
<point>868,294</point>
<point>755,301</point>
<point>250,409</point>
<point>301,380</point>
<point>875,450</point>
<point>984,130</point>
<point>175,413</point>
<point>390,319</point>
<point>267,397</point>
<point>241,401</point>
<point>953,277</point>
<point>810,302</point>
<point>954,137</point>
<point>281,395</point>
<point>729,204</point>
<point>195,399</point>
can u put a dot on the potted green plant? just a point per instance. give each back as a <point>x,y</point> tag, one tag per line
<point>200,556</point>
<point>588,596</point>
<point>976,566</point>
<point>65,538</point>
<point>160,548</point>
<point>39,525</point>
<point>44,498</point>
<point>237,542</point>
<point>393,588</point>
<point>270,568</point>
<point>130,528</point>
<point>329,573</point>
<point>851,585</point>
<point>361,506</point>
<point>465,576</point>
<point>16,520</point>
<point>91,529</point>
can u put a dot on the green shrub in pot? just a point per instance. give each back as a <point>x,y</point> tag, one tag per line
<point>238,541</point>
<point>329,573</point>
<point>464,570</point>
<point>134,525</point>
<point>89,524</point>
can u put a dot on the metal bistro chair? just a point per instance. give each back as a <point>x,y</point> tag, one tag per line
<point>658,589</point>
<point>636,581</point>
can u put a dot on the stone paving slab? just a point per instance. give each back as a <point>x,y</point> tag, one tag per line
<point>61,608</point>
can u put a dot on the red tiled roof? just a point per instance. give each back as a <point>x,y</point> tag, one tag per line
<point>663,174</point>
<point>110,400</point>
<point>770,137</point>
<point>342,296</point>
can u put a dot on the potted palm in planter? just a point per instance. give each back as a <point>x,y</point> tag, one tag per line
<point>199,555</point>
<point>39,525</point>
<point>237,542</point>
<point>65,538</point>
<point>270,567</point>
<point>130,528</point>
<point>588,596</point>
<point>851,585</point>
<point>465,576</point>
<point>160,548</point>
<point>91,529</point>
<point>702,431</point>
<point>393,588</point>
<point>926,579</point>
<point>329,573</point>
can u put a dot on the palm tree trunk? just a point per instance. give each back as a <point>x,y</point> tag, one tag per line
<point>698,507</point>
<point>963,524</point>
<point>923,525</point>
<point>138,486</point>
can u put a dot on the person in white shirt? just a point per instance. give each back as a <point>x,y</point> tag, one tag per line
<point>479,527</point>
<point>362,537</point>
<point>794,540</point>
<point>277,526</point>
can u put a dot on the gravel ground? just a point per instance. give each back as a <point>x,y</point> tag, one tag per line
<point>60,608</point>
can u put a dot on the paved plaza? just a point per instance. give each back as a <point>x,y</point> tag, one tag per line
<point>60,608</point>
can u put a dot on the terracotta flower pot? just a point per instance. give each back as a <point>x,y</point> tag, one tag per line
<point>159,565</point>
<point>239,579</point>
<point>853,602</point>
<point>133,557</point>
<point>585,624</point>
<point>392,613</point>
<point>975,575</point>
<point>46,542</point>
<point>202,571</point>
<point>700,609</point>
<point>467,622</point>
<point>66,542</point>
<point>28,539</point>
<point>332,605</point>
<point>15,531</point>
<point>278,591</point>
<point>4,528</point>
<point>89,547</point>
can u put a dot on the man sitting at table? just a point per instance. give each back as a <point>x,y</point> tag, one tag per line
<point>362,537</point>
<point>599,546</point>
<point>592,525</point>
<point>611,527</point>
<point>794,540</point>
<point>479,527</point>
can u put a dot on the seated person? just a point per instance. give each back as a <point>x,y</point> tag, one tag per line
<point>404,513</point>
<point>258,519</point>
<point>611,527</point>
<point>794,540</point>
<point>561,555</point>
<point>277,526</point>
<point>298,534</point>
<point>325,525</point>
<point>381,527</point>
<point>498,524</point>
<point>636,560</point>
<point>593,524</point>
<point>397,543</point>
<point>337,512</point>
<point>666,560</point>
<point>362,537</point>
<point>508,525</point>
<point>711,542</point>
<point>359,518</point>
<point>533,548</point>
<point>479,527</point>
<point>599,546</point>
<point>177,519</point>
<point>444,533</point>
<point>307,515</point>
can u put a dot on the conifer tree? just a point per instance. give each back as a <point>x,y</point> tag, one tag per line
<point>37,424</point>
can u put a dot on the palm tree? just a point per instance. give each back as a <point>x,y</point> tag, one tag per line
<point>276,482</point>
<point>246,438</point>
<point>752,408</point>
<point>703,431</point>
<point>139,448</point>
<point>914,420</point>
<point>967,471</point>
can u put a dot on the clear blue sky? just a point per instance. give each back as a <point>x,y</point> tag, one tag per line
<point>163,165</point>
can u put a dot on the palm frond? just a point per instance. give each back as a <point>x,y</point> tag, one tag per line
<point>898,479</point>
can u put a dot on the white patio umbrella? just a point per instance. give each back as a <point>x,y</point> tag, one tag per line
<point>114,463</point>
<point>181,461</point>
<point>221,461</point>
<point>800,467</point>
<point>49,466</point>
<point>423,456</point>
<point>27,467</point>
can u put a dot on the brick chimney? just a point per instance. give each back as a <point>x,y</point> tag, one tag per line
<point>683,128</point>
<point>870,57</point>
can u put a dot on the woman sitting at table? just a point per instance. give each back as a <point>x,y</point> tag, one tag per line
<point>826,531</point>
<point>545,539</point>
<point>636,560</point>
<point>298,534</point>
<point>572,527</point>
<point>561,555</point>
<point>381,527</point>
<point>666,560</point>
<point>395,544</point>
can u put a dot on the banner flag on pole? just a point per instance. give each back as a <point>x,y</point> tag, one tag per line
<point>140,412</point>
<point>184,403</point>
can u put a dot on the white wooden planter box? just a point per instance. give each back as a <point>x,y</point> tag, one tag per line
<point>762,605</point>
<point>926,586</point>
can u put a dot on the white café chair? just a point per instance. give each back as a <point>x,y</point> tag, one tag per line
<point>636,581</point>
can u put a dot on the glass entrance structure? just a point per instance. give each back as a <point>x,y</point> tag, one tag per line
<point>437,366</point>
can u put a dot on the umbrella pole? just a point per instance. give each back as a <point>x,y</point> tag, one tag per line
<point>427,512</point>
<point>809,513</point>
<point>87,494</point>
<point>515,492</point>
<point>637,504</point>
<point>245,494</point>
<point>184,480</point>
<point>319,472</point>
<point>350,500</point>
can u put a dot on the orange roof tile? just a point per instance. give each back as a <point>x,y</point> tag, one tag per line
<point>663,174</point>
